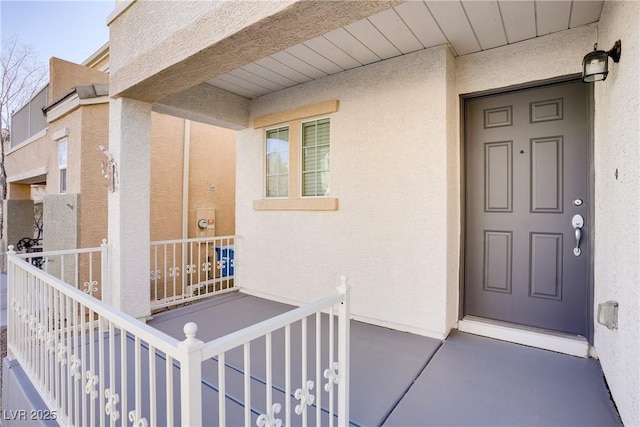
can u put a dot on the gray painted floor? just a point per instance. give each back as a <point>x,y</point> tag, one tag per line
<point>400,379</point>
<point>476,381</point>
<point>384,363</point>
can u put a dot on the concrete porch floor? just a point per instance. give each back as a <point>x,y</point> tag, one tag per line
<point>401,379</point>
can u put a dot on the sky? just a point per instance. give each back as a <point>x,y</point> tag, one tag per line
<point>70,30</point>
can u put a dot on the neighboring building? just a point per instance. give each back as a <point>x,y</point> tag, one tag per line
<point>398,93</point>
<point>56,161</point>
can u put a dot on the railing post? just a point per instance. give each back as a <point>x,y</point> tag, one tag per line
<point>11,286</point>
<point>343,354</point>
<point>191,377</point>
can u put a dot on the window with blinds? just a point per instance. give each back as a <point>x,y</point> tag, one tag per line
<point>315,158</point>
<point>277,162</point>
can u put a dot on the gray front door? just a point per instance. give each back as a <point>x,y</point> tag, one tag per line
<point>526,155</point>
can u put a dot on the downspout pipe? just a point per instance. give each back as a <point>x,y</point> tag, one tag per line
<point>186,147</point>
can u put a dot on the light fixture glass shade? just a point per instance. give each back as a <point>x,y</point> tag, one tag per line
<point>595,66</point>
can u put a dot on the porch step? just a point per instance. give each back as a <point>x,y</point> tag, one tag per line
<point>574,345</point>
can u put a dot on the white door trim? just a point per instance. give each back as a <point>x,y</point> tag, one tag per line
<point>574,345</point>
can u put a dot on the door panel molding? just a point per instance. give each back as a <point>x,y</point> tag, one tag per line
<point>498,256</point>
<point>498,178</point>
<point>546,111</point>
<point>547,172</point>
<point>498,117</point>
<point>544,280</point>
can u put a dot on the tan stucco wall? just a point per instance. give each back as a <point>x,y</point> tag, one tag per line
<point>71,124</point>
<point>18,222</point>
<point>99,60</point>
<point>389,169</point>
<point>65,75</point>
<point>93,187</point>
<point>617,207</point>
<point>18,191</point>
<point>167,141</point>
<point>101,64</point>
<point>61,214</point>
<point>86,127</point>
<point>28,158</point>
<point>212,153</point>
<point>212,160</point>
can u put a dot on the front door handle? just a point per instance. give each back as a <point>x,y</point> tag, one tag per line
<point>577,222</point>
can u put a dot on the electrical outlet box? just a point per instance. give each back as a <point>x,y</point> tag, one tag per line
<point>608,314</point>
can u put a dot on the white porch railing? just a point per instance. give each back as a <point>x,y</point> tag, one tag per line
<point>94,365</point>
<point>186,270</point>
<point>85,269</point>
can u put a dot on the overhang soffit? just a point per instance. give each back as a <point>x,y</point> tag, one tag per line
<point>171,66</point>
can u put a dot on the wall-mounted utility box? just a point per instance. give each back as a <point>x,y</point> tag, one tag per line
<point>205,222</point>
<point>608,314</point>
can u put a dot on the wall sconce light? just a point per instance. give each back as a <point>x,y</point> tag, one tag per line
<point>595,65</point>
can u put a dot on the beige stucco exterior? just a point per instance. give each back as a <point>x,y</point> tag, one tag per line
<point>28,161</point>
<point>65,75</point>
<point>166,177</point>
<point>211,161</point>
<point>217,169</point>
<point>92,188</point>
<point>396,162</point>
<point>84,123</point>
<point>617,208</point>
<point>389,234</point>
<point>99,60</point>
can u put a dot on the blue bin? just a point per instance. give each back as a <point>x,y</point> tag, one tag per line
<point>225,255</point>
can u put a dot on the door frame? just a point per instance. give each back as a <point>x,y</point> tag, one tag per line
<point>463,98</point>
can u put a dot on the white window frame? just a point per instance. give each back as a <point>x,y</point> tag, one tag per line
<point>266,162</point>
<point>62,165</point>
<point>294,118</point>
<point>301,158</point>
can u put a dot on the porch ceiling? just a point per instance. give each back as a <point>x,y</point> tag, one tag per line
<point>467,26</point>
